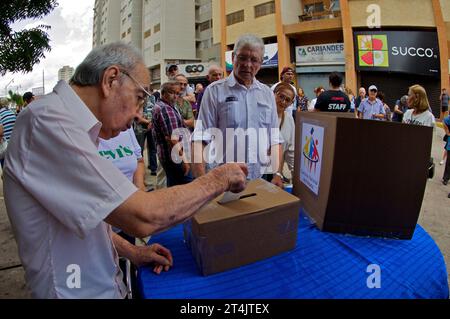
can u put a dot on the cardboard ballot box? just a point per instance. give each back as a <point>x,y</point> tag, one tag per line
<point>362,177</point>
<point>262,224</point>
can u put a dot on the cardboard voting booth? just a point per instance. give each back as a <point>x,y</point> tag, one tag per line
<point>263,223</point>
<point>361,177</point>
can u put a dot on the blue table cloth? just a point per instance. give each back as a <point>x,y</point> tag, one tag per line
<point>323,265</point>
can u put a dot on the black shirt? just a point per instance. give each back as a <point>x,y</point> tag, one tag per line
<point>333,101</point>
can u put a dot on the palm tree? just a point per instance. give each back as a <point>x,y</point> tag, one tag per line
<point>15,99</point>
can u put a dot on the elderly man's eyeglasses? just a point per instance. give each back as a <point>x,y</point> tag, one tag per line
<point>142,100</point>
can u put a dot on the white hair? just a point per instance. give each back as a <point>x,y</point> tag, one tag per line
<point>90,71</point>
<point>249,40</point>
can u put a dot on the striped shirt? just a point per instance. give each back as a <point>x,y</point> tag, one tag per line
<point>8,120</point>
<point>165,120</point>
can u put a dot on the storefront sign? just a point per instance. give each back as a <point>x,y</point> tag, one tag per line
<point>194,69</point>
<point>270,57</point>
<point>414,52</point>
<point>320,54</point>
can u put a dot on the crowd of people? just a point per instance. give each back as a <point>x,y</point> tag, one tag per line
<point>93,207</point>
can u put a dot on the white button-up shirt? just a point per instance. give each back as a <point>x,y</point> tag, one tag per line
<point>226,104</point>
<point>58,191</point>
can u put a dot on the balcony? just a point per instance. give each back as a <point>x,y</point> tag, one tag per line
<point>319,10</point>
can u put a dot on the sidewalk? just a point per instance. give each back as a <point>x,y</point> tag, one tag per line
<point>434,218</point>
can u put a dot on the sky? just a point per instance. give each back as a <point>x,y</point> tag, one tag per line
<point>70,40</point>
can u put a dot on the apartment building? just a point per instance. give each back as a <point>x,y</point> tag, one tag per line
<point>392,44</point>
<point>65,73</point>
<point>131,22</point>
<point>106,28</point>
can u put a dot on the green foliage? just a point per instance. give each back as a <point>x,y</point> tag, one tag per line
<point>21,50</point>
<point>15,98</point>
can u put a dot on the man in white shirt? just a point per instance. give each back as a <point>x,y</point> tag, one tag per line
<point>240,104</point>
<point>62,197</point>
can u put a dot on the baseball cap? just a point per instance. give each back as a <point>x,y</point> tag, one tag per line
<point>171,66</point>
<point>286,69</point>
<point>373,88</point>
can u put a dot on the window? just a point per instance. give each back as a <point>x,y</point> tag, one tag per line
<point>157,28</point>
<point>129,31</point>
<point>235,17</point>
<point>157,47</point>
<point>124,35</point>
<point>205,25</point>
<point>265,9</point>
<point>123,21</point>
<point>147,33</point>
<point>314,7</point>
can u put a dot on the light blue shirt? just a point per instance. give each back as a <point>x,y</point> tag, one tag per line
<point>227,104</point>
<point>369,109</point>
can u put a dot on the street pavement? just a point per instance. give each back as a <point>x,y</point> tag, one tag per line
<point>434,218</point>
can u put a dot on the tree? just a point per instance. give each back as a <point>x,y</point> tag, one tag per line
<point>21,50</point>
<point>15,99</point>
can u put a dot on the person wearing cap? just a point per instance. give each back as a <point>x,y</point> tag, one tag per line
<point>287,76</point>
<point>372,108</point>
<point>171,71</point>
<point>333,100</point>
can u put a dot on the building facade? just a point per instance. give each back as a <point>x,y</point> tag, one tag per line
<point>65,73</point>
<point>369,41</point>
<point>131,22</point>
<point>106,28</point>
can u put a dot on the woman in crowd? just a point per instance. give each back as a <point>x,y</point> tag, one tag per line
<point>419,112</point>
<point>302,101</point>
<point>351,97</point>
<point>284,95</point>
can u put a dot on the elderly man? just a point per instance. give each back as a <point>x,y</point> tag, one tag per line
<point>215,73</point>
<point>372,108</point>
<point>239,118</point>
<point>62,197</point>
<point>166,120</point>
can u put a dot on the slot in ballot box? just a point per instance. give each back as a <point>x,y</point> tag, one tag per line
<point>362,177</point>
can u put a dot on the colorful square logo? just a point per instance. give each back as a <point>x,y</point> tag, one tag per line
<point>373,51</point>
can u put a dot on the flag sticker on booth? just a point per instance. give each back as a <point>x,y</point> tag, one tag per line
<point>311,158</point>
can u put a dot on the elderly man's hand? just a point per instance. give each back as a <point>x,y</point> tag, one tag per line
<point>155,254</point>
<point>233,175</point>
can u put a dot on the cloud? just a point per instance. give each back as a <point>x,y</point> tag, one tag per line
<point>70,39</point>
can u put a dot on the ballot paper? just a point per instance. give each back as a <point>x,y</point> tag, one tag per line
<point>229,197</point>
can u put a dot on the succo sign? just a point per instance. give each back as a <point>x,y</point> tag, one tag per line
<point>414,52</point>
